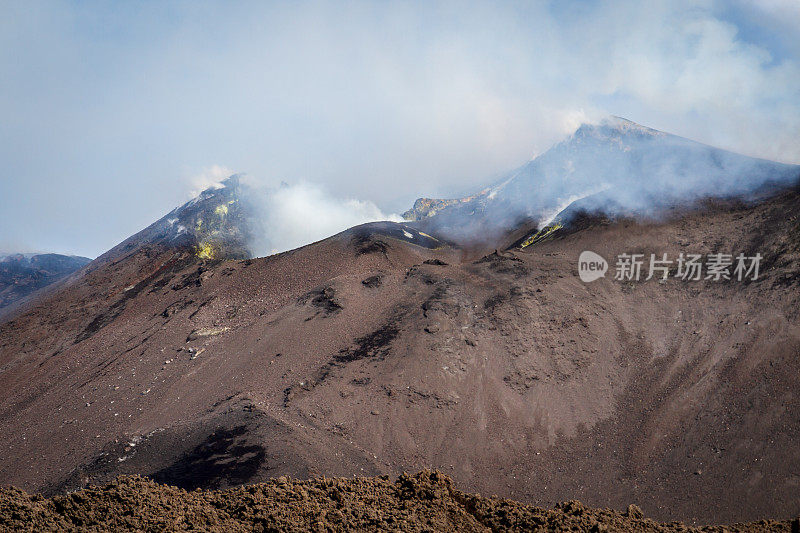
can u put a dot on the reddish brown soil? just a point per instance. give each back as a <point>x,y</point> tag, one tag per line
<point>424,502</point>
<point>353,356</point>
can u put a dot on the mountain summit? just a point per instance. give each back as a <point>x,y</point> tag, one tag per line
<point>216,224</point>
<point>615,166</point>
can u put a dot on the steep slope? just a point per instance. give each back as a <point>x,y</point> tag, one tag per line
<point>23,274</point>
<point>381,349</point>
<point>616,166</point>
<point>215,225</point>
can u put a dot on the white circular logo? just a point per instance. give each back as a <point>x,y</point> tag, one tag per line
<point>591,266</point>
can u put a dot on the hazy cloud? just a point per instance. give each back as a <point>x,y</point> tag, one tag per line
<point>209,177</point>
<point>109,109</point>
<point>294,215</point>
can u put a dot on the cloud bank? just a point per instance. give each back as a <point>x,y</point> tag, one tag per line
<point>108,109</point>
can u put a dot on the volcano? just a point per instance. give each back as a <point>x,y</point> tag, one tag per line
<point>616,167</point>
<point>395,347</point>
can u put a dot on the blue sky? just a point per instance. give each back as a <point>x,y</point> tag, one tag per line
<point>111,113</point>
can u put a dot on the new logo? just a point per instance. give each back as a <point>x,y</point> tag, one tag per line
<point>591,266</point>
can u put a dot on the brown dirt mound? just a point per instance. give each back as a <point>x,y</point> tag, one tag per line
<point>426,501</point>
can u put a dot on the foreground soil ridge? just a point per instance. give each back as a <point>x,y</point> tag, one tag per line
<point>426,501</point>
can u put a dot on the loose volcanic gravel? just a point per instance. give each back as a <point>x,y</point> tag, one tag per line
<point>426,501</point>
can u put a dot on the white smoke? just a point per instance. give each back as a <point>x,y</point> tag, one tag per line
<point>303,213</point>
<point>288,216</point>
<point>209,178</point>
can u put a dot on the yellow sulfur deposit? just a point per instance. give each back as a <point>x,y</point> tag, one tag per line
<point>541,234</point>
<point>205,251</point>
<point>221,210</point>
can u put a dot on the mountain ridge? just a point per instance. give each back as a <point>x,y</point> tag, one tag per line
<point>22,275</point>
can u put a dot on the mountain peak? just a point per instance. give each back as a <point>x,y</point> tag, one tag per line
<point>614,166</point>
<point>614,126</point>
<point>215,224</point>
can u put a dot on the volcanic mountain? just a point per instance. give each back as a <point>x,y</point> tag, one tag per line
<point>615,167</point>
<point>24,274</point>
<point>391,347</point>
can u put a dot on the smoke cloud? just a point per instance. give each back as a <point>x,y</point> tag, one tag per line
<point>290,216</point>
<point>209,178</point>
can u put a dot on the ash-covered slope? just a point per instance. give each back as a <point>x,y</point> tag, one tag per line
<point>24,274</point>
<point>616,166</point>
<point>214,226</point>
<point>378,351</point>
